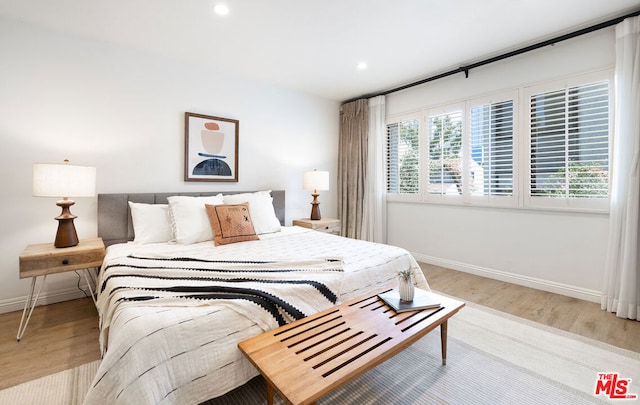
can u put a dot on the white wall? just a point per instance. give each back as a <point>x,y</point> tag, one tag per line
<point>122,111</point>
<point>555,251</point>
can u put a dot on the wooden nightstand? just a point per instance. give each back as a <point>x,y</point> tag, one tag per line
<point>44,259</point>
<point>327,225</point>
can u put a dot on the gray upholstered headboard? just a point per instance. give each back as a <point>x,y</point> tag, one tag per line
<point>114,216</point>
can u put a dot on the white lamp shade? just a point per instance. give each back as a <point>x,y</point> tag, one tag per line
<point>63,180</point>
<point>315,180</point>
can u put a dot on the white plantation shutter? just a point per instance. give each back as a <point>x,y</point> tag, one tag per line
<point>490,162</point>
<point>393,181</point>
<point>445,154</point>
<point>402,157</point>
<point>569,142</point>
<point>552,152</point>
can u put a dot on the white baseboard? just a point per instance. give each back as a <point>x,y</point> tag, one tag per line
<point>526,281</point>
<point>46,298</point>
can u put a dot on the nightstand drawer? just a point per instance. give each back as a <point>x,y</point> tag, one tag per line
<point>329,228</point>
<point>328,225</point>
<point>37,260</point>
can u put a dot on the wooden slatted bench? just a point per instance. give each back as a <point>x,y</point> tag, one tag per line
<point>307,359</point>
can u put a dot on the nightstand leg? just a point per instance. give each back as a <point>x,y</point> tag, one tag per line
<point>86,278</point>
<point>30,302</point>
<point>93,275</point>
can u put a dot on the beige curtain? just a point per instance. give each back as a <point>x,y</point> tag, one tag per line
<point>374,219</point>
<point>352,163</point>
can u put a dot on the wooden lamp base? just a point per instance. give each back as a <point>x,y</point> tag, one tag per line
<point>66,235</point>
<point>315,207</point>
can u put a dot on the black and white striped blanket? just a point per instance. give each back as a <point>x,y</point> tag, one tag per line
<point>188,354</point>
<point>269,292</point>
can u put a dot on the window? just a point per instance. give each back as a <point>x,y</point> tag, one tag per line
<point>459,161</point>
<point>491,157</point>
<point>403,157</point>
<point>551,151</point>
<point>569,136</point>
<point>445,154</point>
<point>569,143</point>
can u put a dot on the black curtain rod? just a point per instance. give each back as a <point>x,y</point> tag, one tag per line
<point>542,44</point>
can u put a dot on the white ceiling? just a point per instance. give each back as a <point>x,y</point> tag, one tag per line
<point>314,46</point>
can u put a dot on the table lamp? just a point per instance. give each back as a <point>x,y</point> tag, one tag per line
<point>315,180</point>
<point>64,180</point>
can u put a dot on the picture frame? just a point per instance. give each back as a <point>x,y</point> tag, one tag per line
<point>211,148</point>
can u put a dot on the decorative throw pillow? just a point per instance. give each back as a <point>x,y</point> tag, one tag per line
<point>150,223</point>
<point>231,223</point>
<point>262,211</point>
<point>189,218</point>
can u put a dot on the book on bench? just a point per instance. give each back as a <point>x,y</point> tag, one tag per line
<point>422,299</point>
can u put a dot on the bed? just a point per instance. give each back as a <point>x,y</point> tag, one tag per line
<point>173,307</point>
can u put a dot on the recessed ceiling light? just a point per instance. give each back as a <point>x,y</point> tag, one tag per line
<point>362,65</point>
<point>221,9</point>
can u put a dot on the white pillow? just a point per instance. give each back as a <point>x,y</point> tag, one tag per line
<point>189,220</point>
<point>261,209</point>
<point>150,223</point>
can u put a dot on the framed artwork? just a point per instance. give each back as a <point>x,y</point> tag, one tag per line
<point>211,148</point>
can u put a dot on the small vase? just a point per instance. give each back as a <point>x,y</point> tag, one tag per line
<point>406,289</point>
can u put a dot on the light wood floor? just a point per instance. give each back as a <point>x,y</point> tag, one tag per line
<point>58,337</point>
<point>65,335</point>
<point>565,313</point>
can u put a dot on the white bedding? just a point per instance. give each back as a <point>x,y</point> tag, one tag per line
<point>186,354</point>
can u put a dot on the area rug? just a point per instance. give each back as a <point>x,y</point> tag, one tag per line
<point>492,358</point>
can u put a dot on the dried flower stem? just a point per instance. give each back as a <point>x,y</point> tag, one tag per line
<point>405,274</point>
